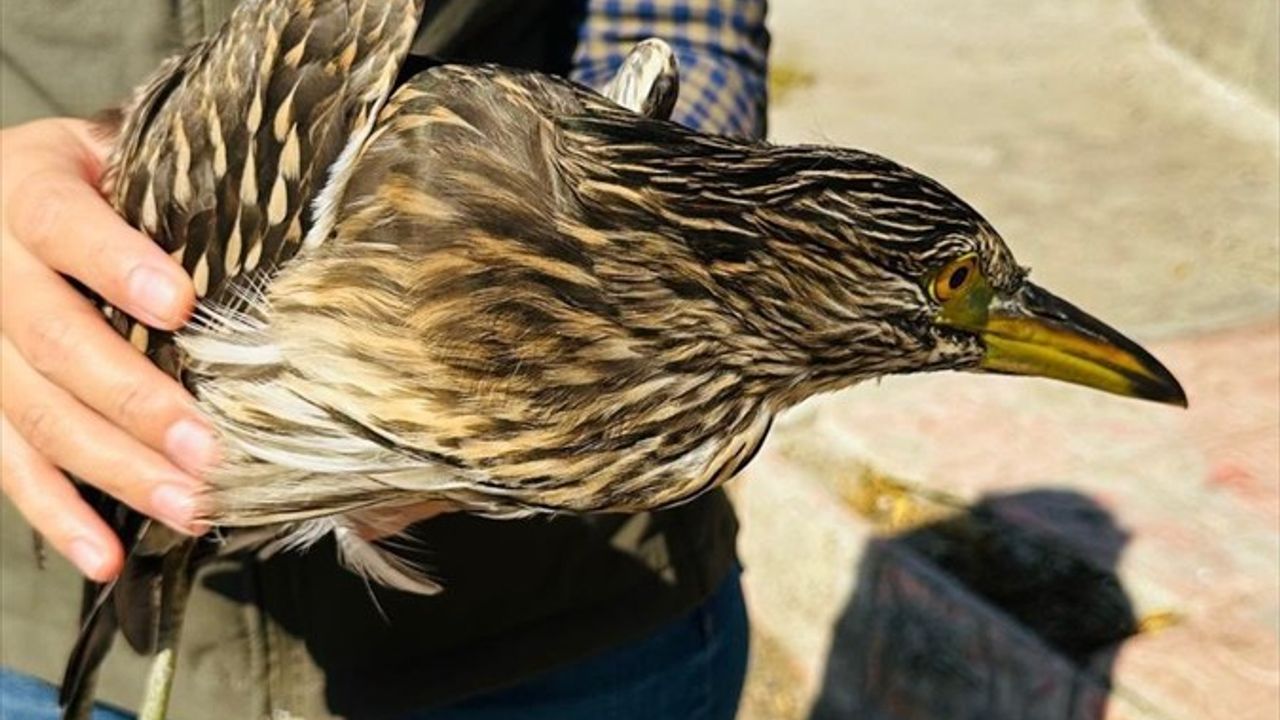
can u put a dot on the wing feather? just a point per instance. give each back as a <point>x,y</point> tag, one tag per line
<point>218,157</point>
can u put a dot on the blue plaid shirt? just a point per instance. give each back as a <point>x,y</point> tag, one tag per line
<point>722,47</point>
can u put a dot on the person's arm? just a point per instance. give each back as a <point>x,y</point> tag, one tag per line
<point>76,397</point>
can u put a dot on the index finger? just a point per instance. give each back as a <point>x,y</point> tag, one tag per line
<point>65,223</point>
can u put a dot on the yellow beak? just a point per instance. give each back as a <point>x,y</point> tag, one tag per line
<point>1037,333</point>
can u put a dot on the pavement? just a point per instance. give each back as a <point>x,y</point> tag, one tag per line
<point>1147,191</point>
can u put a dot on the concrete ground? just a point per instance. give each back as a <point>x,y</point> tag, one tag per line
<point>1137,185</point>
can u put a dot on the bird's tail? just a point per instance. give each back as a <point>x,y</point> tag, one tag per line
<point>97,632</point>
<point>145,603</point>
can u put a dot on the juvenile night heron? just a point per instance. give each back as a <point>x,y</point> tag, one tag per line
<point>503,293</point>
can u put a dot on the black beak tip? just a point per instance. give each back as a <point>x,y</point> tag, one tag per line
<point>1163,387</point>
<point>1174,395</point>
<point>1178,396</point>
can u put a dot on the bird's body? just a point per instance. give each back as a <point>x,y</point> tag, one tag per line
<point>497,324</point>
<point>503,293</point>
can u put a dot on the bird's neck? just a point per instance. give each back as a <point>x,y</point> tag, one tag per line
<point>723,227</point>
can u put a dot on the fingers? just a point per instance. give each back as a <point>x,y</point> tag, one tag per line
<point>47,499</point>
<point>70,436</point>
<point>75,350</point>
<point>75,396</point>
<point>60,218</point>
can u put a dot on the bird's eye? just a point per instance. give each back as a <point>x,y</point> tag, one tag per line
<point>955,277</point>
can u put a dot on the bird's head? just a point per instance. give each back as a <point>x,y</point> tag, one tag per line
<point>838,265</point>
<point>883,270</point>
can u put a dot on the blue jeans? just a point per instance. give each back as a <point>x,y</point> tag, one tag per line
<point>690,669</point>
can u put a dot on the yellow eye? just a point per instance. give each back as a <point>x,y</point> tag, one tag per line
<point>955,277</point>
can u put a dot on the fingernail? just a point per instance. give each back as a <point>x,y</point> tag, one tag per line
<point>174,504</point>
<point>191,444</point>
<point>153,292</point>
<point>88,557</point>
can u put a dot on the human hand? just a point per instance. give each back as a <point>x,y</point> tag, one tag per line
<point>76,396</point>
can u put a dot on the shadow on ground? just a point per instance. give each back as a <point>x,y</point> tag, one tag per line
<point>1011,609</point>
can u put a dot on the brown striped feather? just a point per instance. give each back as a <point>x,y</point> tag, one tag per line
<point>218,157</point>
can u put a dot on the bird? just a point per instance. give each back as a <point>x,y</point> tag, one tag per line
<point>505,294</point>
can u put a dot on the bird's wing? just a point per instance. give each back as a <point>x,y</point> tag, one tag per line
<point>219,158</point>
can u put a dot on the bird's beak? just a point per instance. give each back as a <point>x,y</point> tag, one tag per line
<point>1034,332</point>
